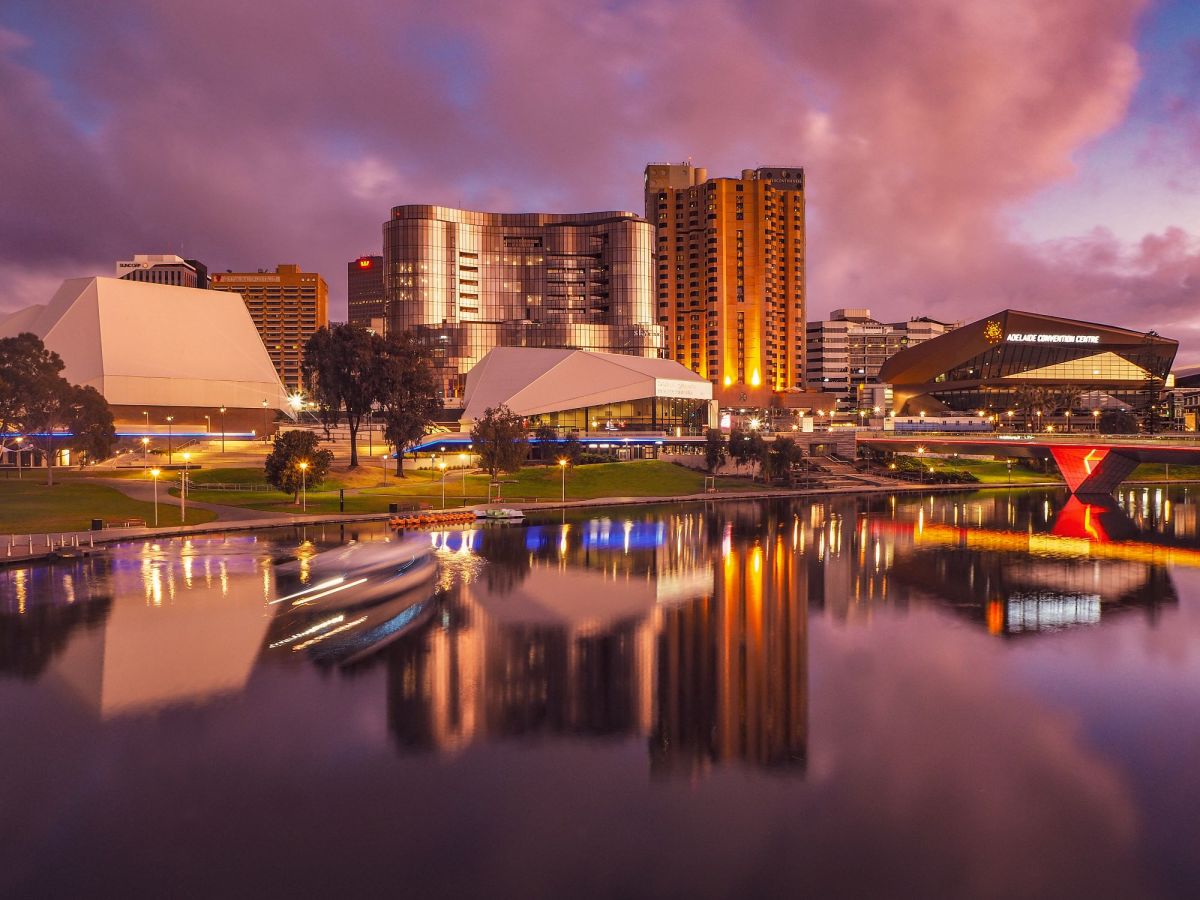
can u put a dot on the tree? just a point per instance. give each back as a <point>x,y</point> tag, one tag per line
<point>499,439</point>
<point>341,367</point>
<point>714,450</point>
<point>547,441</point>
<point>90,421</point>
<point>406,386</point>
<point>745,447</point>
<point>571,449</point>
<point>1118,421</point>
<point>35,400</point>
<point>282,468</point>
<point>783,456</point>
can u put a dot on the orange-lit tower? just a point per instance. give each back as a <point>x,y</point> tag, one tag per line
<point>730,275</point>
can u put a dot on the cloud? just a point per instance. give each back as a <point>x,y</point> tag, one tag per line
<point>248,135</point>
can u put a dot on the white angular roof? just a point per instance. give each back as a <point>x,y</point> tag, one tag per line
<point>143,344</point>
<point>530,381</point>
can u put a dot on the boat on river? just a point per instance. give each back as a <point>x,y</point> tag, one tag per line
<point>498,513</point>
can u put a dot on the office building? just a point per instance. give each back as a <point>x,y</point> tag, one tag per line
<point>163,268</point>
<point>155,350</point>
<point>365,302</point>
<point>845,351</point>
<point>1036,368</point>
<point>287,306</point>
<point>730,276</point>
<point>466,282</point>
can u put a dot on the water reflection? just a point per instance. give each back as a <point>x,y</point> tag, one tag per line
<point>686,628</point>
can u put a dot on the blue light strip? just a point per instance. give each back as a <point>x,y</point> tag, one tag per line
<point>215,435</point>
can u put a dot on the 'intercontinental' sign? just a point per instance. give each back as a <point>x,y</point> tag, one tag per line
<point>1019,338</point>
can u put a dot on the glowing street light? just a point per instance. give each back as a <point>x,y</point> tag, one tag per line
<point>303,466</point>
<point>264,406</point>
<point>463,458</point>
<point>170,453</point>
<point>154,473</point>
<point>222,429</point>
<point>383,463</point>
<point>562,465</point>
<point>145,452</point>
<point>207,426</point>
<point>19,440</point>
<point>442,466</point>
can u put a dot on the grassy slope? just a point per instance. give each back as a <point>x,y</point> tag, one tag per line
<point>629,479</point>
<point>28,506</point>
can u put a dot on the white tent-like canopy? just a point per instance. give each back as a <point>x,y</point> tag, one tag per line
<point>532,381</point>
<point>154,345</point>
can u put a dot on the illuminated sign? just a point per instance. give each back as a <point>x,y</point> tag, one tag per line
<point>1019,338</point>
<point>364,263</point>
<point>683,390</point>
<point>993,332</point>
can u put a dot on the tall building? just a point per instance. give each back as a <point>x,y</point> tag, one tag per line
<point>845,351</point>
<point>163,268</point>
<point>287,306</point>
<point>466,282</point>
<point>365,302</point>
<point>730,275</point>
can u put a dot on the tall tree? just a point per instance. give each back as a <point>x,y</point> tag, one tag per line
<point>341,369</point>
<point>36,401</point>
<point>499,439</point>
<point>407,391</point>
<point>282,468</point>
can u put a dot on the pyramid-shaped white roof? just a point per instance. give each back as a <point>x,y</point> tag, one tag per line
<point>143,344</point>
<point>530,381</point>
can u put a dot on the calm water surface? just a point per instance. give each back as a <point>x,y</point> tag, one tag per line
<point>984,694</point>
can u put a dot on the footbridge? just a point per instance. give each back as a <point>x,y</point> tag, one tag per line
<point>1090,464</point>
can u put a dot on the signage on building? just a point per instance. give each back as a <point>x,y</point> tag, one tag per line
<point>1029,338</point>
<point>682,390</point>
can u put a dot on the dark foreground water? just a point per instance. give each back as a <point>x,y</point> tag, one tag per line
<point>972,695</point>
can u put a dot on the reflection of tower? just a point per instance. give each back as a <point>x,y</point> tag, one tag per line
<point>732,668</point>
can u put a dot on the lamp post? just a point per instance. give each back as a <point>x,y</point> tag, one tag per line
<point>207,426</point>
<point>303,466</point>
<point>1068,415</point>
<point>170,454</point>
<point>462,458</point>
<point>19,441</point>
<point>1096,420</point>
<point>184,489</point>
<point>146,413</point>
<point>383,463</point>
<point>562,465</point>
<point>264,406</point>
<point>145,452</point>
<point>222,429</point>
<point>442,466</point>
<point>154,473</point>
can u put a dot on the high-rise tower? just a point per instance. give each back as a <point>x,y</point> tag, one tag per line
<point>730,275</point>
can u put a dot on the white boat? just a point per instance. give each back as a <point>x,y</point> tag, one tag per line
<point>498,512</point>
<point>357,575</point>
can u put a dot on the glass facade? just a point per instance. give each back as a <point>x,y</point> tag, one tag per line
<point>466,282</point>
<point>654,414</point>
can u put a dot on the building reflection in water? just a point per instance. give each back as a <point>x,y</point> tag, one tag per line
<point>666,628</point>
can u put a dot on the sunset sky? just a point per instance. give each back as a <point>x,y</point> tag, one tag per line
<point>962,155</point>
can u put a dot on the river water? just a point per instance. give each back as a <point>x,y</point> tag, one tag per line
<point>977,694</point>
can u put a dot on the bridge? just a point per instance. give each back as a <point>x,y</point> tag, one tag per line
<point>1090,464</point>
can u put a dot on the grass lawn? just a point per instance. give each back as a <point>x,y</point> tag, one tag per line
<point>29,506</point>
<point>991,471</point>
<point>1158,472</point>
<point>642,478</point>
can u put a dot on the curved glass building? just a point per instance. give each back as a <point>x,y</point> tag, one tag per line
<point>466,282</point>
<point>1002,362</point>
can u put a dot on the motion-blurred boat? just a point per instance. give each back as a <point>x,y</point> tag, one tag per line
<point>356,575</point>
<point>499,513</point>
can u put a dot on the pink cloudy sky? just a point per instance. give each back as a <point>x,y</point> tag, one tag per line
<point>962,155</point>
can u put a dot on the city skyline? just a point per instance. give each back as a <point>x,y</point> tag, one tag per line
<point>960,157</point>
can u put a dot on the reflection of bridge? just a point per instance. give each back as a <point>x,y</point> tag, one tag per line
<point>1090,465</point>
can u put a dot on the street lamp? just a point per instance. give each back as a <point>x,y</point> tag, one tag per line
<point>146,413</point>
<point>19,441</point>
<point>154,473</point>
<point>207,426</point>
<point>264,406</point>
<point>184,489</point>
<point>222,429</point>
<point>1068,415</point>
<point>462,458</point>
<point>303,486</point>
<point>170,455</point>
<point>442,466</point>
<point>383,463</point>
<point>145,452</point>
<point>1096,420</point>
<point>562,464</point>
